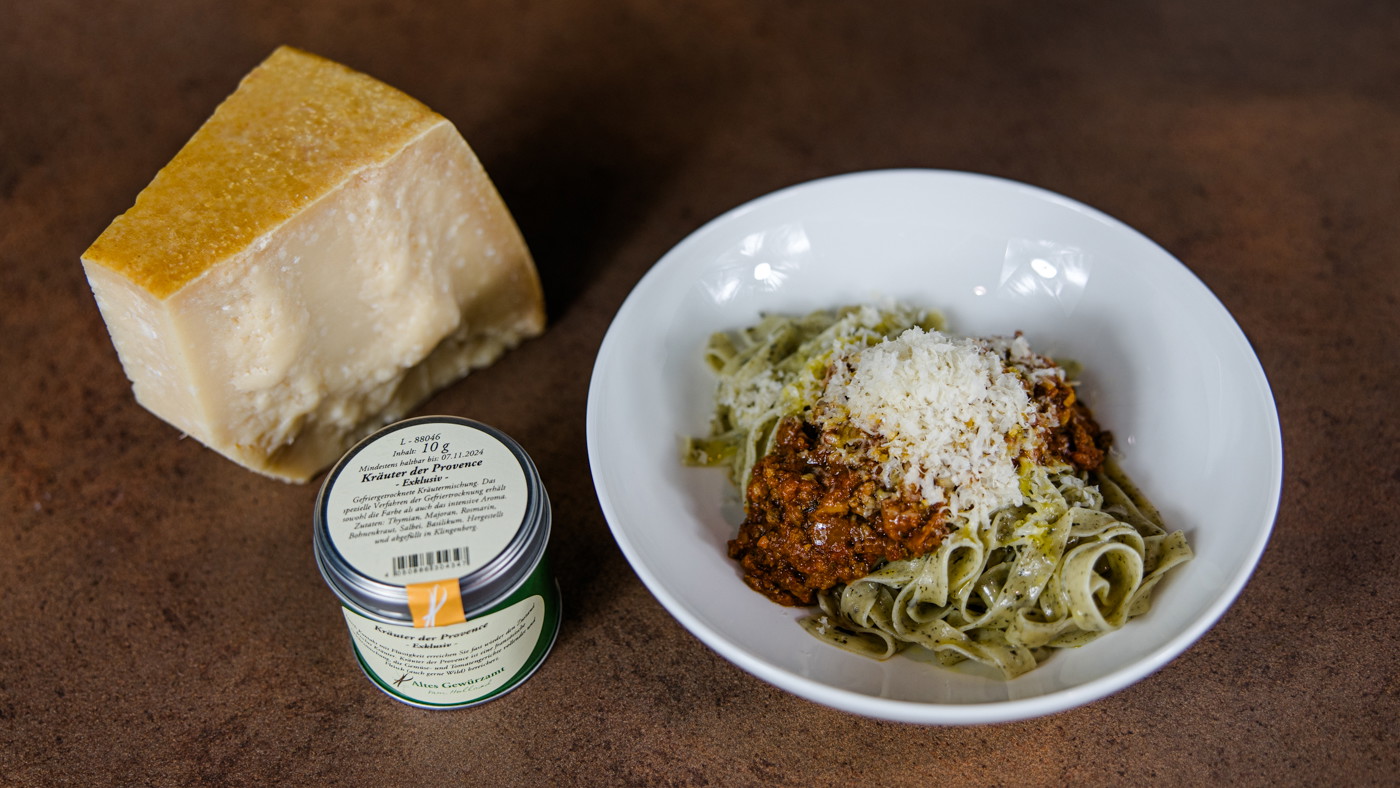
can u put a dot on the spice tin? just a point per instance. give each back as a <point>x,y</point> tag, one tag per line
<point>432,533</point>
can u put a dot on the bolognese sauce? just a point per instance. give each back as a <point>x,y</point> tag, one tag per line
<point>817,516</point>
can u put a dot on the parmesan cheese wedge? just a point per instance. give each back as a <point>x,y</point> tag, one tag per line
<point>321,256</point>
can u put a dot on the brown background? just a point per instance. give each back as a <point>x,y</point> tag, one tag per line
<point>162,621</point>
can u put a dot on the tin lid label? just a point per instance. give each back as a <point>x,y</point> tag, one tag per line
<point>426,502</point>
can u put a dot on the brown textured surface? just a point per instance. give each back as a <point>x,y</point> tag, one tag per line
<point>163,623</point>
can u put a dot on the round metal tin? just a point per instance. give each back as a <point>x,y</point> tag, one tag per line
<point>438,499</point>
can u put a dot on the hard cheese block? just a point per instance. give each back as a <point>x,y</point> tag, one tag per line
<point>323,254</point>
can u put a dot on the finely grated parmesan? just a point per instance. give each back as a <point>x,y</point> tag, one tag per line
<point>950,418</point>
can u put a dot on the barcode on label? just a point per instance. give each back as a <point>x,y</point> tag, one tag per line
<point>433,560</point>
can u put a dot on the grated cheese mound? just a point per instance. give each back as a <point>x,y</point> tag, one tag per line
<point>951,416</point>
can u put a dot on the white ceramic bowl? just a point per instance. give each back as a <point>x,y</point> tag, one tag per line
<point>1166,369</point>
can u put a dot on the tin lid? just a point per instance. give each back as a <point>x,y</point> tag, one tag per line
<point>430,499</point>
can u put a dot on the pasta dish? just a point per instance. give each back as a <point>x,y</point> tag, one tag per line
<point>919,488</point>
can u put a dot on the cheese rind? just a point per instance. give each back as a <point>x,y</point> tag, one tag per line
<point>341,256</point>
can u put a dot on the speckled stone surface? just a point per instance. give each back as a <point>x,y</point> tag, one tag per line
<point>163,622</point>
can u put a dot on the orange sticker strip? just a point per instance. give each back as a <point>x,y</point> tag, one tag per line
<point>436,604</point>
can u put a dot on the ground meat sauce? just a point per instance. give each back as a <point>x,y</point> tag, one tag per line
<point>813,521</point>
<point>1078,439</point>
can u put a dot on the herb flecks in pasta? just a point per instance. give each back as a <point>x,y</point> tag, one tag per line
<point>925,489</point>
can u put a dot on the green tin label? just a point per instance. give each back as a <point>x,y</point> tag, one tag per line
<point>461,664</point>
